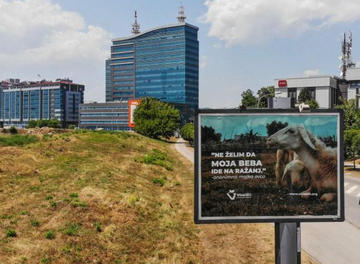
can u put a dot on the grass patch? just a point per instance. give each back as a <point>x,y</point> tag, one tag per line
<point>50,234</point>
<point>98,227</point>
<point>159,181</point>
<point>11,233</point>
<point>74,195</point>
<point>72,229</point>
<point>77,203</point>
<point>34,222</point>
<point>17,140</point>
<point>157,157</point>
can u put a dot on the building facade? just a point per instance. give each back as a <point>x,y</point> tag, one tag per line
<point>323,89</point>
<point>352,85</point>
<point>162,63</point>
<point>328,91</point>
<point>24,101</point>
<point>108,116</point>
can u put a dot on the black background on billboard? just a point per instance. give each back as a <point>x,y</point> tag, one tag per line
<point>249,219</point>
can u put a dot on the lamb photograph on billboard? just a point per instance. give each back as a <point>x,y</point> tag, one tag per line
<point>268,166</point>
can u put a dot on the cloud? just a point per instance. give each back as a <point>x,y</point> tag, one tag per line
<point>311,72</point>
<point>203,62</point>
<point>249,21</point>
<point>38,36</point>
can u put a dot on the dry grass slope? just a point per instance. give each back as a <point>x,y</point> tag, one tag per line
<point>92,197</point>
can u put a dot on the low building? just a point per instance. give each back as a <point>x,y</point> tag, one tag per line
<point>353,84</point>
<point>323,89</point>
<point>108,116</point>
<point>21,102</point>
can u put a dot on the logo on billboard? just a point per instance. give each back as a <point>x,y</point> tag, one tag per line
<point>282,83</point>
<point>231,194</point>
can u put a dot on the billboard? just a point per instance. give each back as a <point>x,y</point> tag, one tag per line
<point>132,106</point>
<point>268,166</point>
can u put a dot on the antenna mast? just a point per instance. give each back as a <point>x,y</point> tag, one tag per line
<point>135,26</point>
<point>181,17</point>
<point>346,58</point>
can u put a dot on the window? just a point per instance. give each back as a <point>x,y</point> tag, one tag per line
<point>312,92</point>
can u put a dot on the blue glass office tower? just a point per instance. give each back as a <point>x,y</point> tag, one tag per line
<point>22,102</point>
<point>162,63</point>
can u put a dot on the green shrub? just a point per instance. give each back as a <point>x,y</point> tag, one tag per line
<point>50,234</point>
<point>187,132</point>
<point>32,124</point>
<point>13,130</point>
<point>11,233</point>
<point>54,123</point>
<point>71,126</point>
<point>312,104</point>
<point>17,140</point>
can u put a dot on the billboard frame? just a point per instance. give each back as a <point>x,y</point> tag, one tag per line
<point>273,219</point>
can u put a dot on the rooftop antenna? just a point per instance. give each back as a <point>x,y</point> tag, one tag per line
<point>343,57</point>
<point>351,64</point>
<point>181,17</point>
<point>346,58</point>
<point>135,26</point>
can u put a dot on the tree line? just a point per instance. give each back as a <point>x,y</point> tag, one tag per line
<point>249,100</point>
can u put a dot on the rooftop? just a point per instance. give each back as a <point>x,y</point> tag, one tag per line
<point>28,84</point>
<point>152,29</point>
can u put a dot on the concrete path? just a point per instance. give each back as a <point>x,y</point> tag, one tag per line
<point>337,243</point>
<point>181,147</point>
<point>328,243</point>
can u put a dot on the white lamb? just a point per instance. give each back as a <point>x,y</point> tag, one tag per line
<point>320,161</point>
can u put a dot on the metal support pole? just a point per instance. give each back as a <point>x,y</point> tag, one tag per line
<point>287,243</point>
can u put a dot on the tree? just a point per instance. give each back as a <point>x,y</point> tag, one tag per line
<point>304,96</point>
<point>54,123</point>
<point>248,99</point>
<point>351,114</point>
<point>209,134</point>
<point>156,119</point>
<point>352,144</point>
<point>187,132</point>
<point>275,126</point>
<point>264,93</point>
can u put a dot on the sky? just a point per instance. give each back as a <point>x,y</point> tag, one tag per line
<point>231,125</point>
<point>244,44</point>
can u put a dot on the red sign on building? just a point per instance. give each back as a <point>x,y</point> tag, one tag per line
<point>282,83</point>
<point>132,106</point>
